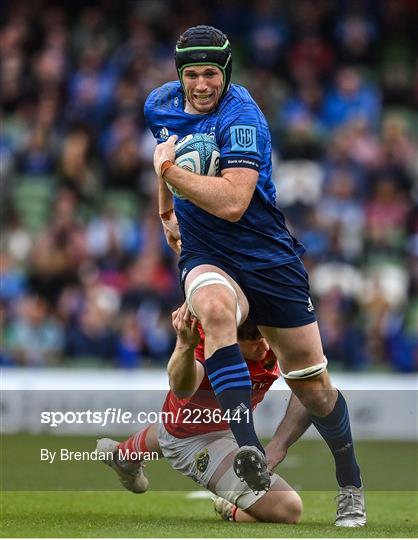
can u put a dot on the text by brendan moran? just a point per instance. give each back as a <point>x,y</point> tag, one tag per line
<point>65,454</point>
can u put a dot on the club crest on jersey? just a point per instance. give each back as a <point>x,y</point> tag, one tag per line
<point>164,134</point>
<point>202,460</point>
<point>243,138</point>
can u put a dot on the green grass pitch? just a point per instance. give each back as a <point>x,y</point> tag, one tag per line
<point>80,499</point>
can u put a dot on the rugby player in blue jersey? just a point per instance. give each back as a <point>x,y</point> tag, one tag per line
<point>239,260</point>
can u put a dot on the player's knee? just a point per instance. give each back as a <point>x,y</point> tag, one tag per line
<point>324,405</point>
<point>288,509</point>
<point>293,508</point>
<point>318,401</point>
<point>217,311</point>
<point>282,507</point>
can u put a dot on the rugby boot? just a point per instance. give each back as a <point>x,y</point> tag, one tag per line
<point>250,465</point>
<point>351,510</point>
<point>224,508</point>
<point>131,475</point>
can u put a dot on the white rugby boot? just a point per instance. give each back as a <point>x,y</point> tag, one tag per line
<point>351,509</point>
<point>250,465</point>
<point>224,508</point>
<point>131,475</point>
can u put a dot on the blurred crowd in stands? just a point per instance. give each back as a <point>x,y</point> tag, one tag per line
<point>86,277</point>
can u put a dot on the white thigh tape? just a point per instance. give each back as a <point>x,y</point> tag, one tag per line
<point>310,371</point>
<point>209,278</point>
<point>230,487</point>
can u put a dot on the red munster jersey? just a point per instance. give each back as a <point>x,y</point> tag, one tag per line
<point>200,413</point>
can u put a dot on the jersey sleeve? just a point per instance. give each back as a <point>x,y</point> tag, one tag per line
<point>241,137</point>
<point>151,115</point>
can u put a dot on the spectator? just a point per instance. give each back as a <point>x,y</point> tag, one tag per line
<point>129,347</point>
<point>301,124</point>
<point>91,336</point>
<point>78,173</point>
<point>268,35</point>
<point>91,90</point>
<point>356,36</point>
<point>12,279</point>
<point>58,250</point>
<point>386,218</point>
<point>34,338</point>
<point>351,99</point>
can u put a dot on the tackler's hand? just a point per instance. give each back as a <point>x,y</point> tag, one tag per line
<point>185,326</point>
<point>275,454</point>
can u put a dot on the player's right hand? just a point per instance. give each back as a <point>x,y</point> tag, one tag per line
<point>185,326</point>
<point>163,152</point>
<point>172,233</point>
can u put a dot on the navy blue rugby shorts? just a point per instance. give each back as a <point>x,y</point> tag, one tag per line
<point>278,296</point>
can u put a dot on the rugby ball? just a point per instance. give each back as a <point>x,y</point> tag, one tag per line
<point>197,153</point>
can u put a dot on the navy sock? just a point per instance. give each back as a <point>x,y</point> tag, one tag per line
<point>335,430</point>
<point>230,379</point>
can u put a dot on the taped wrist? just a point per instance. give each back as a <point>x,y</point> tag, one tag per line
<point>165,216</point>
<point>165,165</point>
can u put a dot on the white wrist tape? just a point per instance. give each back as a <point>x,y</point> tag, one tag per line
<point>209,278</point>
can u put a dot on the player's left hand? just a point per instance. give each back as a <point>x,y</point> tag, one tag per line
<point>163,152</point>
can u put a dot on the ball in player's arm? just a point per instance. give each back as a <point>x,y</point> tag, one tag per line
<point>226,196</point>
<point>246,262</point>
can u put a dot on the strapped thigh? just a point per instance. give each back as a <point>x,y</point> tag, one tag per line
<point>231,488</point>
<point>308,372</point>
<point>210,278</point>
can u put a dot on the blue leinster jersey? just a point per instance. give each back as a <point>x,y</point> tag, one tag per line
<point>260,238</point>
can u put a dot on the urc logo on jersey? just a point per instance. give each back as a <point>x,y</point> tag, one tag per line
<point>243,138</point>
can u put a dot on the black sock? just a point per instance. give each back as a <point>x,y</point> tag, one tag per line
<point>230,379</point>
<point>335,430</point>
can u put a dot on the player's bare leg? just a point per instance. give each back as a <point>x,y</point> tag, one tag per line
<point>219,303</point>
<point>210,301</point>
<point>300,349</point>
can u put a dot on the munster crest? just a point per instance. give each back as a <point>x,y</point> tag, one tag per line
<point>202,460</point>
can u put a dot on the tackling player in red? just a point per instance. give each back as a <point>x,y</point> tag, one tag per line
<point>196,438</point>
